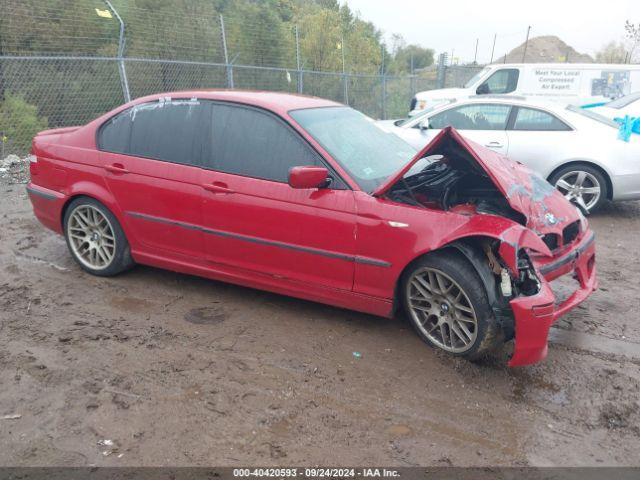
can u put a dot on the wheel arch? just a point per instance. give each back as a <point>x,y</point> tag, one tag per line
<point>470,247</point>
<point>95,192</point>
<point>589,163</point>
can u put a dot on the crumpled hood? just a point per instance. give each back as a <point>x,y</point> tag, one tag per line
<point>545,209</point>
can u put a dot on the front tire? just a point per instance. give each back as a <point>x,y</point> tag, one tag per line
<point>446,303</point>
<point>581,184</point>
<point>95,239</point>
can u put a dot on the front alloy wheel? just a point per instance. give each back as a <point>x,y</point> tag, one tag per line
<point>442,310</point>
<point>446,303</point>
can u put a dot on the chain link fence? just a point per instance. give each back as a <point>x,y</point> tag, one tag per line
<point>59,69</point>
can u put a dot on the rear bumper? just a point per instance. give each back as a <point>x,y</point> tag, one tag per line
<point>535,314</point>
<point>47,206</point>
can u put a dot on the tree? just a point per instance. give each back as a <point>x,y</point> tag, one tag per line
<point>19,122</point>
<point>409,58</point>
<point>632,34</point>
<point>612,52</point>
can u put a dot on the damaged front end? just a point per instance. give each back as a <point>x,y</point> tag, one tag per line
<point>544,238</point>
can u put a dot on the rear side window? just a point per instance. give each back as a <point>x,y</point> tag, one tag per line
<point>115,135</point>
<point>537,120</point>
<point>252,143</point>
<point>473,117</point>
<point>171,130</point>
<point>502,81</point>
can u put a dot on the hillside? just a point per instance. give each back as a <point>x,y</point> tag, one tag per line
<point>545,49</point>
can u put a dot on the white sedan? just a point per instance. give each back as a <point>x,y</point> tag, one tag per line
<point>618,108</point>
<point>575,149</point>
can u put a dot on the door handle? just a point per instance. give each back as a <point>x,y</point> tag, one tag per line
<point>116,168</point>
<point>217,187</point>
<point>494,145</point>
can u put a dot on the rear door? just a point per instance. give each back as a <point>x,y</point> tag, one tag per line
<point>152,154</point>
<point>484,123</point>
<point>537,138</point>
<point>255,221</point>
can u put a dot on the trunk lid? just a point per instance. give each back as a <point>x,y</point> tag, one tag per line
<point>526,192</point>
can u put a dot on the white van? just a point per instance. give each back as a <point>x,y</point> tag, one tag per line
<point>576,83</point>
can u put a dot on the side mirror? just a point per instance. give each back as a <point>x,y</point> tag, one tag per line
<point>424,124</point>
<point>483,89</point>
<point>308,177</point>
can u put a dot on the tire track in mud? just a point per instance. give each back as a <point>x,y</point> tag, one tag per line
<point>595,343</point>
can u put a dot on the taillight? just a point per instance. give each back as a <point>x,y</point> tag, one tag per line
<point>33,164</point>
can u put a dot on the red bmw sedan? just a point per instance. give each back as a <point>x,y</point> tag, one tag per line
<point>309,198</point>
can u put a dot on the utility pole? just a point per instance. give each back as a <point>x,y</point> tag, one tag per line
<point>526,42</point>
<point>493,49</point>
<point>475,55</point>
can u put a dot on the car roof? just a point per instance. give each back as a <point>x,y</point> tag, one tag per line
<point>566,66</point>
<point>278,102</point>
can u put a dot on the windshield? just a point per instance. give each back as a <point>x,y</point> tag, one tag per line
<point>585,112</point>
<point>623,101</point>
<point>476,77</point>
<point>369,154</point>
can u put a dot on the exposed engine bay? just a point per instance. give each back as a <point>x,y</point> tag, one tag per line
<point>449,177</point>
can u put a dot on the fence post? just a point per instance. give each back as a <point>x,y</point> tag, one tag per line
<point>442,69</point>
<point>124,82</point>
<point>300,85</point>
<point>229,67</point>
<point>383,80</point>
<point>345,79</point>
<point>412,79</point>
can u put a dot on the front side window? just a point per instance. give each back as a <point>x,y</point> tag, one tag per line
<point>367,152</point>
<point>502,81</point>
<point>537,120</point>
<point>252,143</point>
<point>472,117</point>
<point>169,130</point>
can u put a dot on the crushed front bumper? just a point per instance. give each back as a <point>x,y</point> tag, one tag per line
<point>535,314</point>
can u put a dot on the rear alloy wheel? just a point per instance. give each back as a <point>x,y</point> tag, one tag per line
<point>581,185</point>
<point>95,238</point>
<point>447,305</point>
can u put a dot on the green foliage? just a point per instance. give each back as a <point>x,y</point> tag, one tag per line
<point>19,122</point>
<point>184,40</point>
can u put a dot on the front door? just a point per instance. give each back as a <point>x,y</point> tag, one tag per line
<point>255,221</point>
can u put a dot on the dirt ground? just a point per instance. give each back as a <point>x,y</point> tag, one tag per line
<point>158,368</point>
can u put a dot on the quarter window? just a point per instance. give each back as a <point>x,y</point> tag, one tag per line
<point>502,81</point>
<point>531,119</point>
<point>246,141</point>
<point>473,117</point>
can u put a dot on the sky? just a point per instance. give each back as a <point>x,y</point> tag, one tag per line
<point>447,25</point>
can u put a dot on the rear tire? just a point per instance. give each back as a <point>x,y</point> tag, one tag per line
<point>95,239</point>
<point>446,303</point>
<point>582,185</point>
